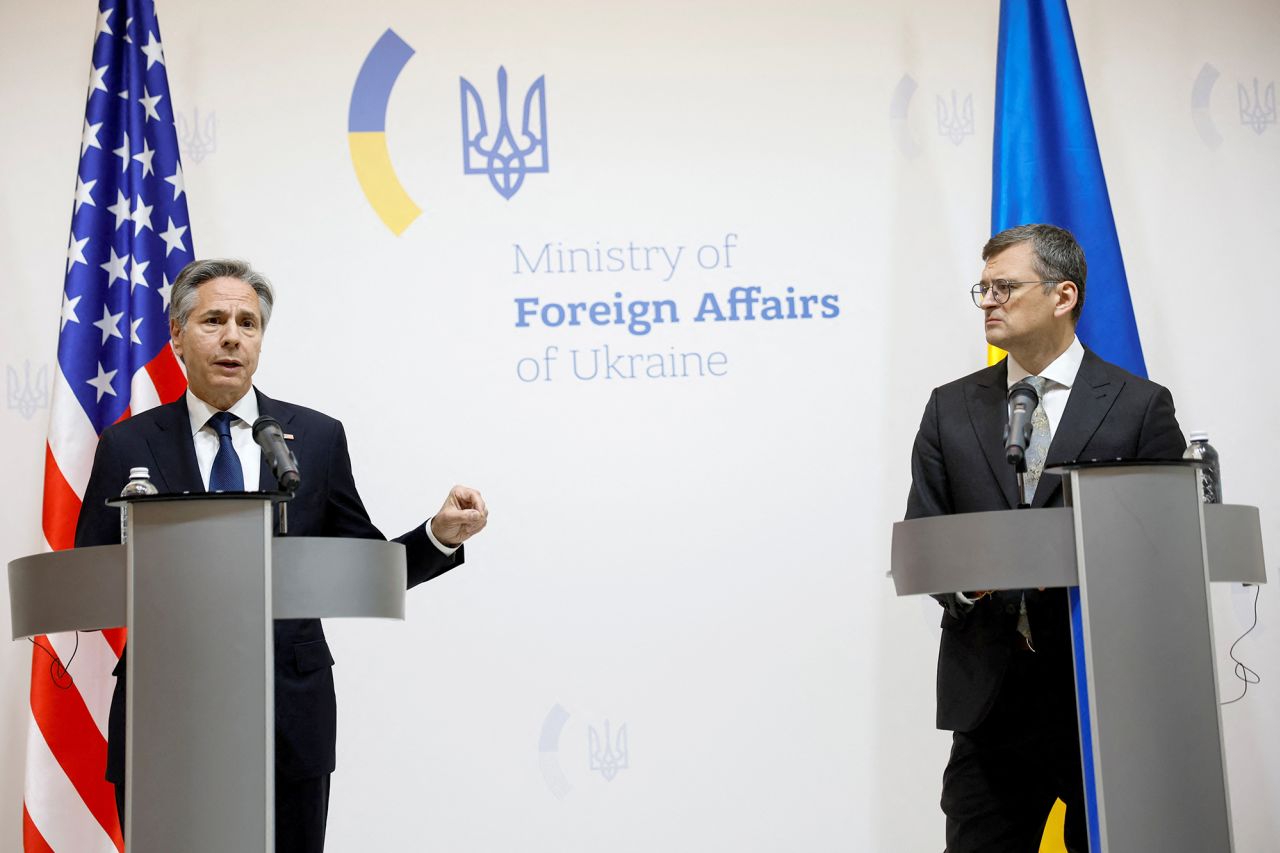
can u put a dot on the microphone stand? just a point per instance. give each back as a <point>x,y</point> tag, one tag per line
<point>1020,471</point>
<point>282,515</point>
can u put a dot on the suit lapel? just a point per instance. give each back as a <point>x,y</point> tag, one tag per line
<point>174,451</point>
<point>1092,396</point>
<point>986,398</point>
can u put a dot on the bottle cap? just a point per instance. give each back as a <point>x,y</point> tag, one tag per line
<point>1199,435</point>
<point>139,473</point>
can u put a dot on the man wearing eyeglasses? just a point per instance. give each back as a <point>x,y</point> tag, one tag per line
<point>1005,674</point>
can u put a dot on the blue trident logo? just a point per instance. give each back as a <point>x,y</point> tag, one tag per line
<point>1259,112</point>
<point>506,157</point>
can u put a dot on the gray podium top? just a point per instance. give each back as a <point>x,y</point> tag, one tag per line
<point>84,588</point>
<point>1020,549</point>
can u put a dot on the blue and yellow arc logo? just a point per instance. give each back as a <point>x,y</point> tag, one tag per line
<point>367,136</point>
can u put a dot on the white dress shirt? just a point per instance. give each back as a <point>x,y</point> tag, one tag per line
<point>205,438</point>
<point>1059,376</point>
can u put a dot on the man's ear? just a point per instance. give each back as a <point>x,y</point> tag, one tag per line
<point>1068,294</point>
<point>175,335</point>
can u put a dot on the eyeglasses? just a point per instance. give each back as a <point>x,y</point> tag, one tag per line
<point>1000,290</point>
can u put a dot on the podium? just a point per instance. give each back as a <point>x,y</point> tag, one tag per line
<point>198,585</point>
<point>1138,549</point>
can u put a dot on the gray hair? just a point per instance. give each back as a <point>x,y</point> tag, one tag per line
<point>1057,255</point>
<point>182,299</point>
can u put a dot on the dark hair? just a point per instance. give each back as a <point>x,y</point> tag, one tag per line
<point>183,297</point>
<point>1057,255</point>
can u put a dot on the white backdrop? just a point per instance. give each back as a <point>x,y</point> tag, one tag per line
<point>699,559</point>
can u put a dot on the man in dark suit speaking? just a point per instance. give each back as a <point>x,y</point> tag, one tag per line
<point>218,312</point>
<point>1005,676</point>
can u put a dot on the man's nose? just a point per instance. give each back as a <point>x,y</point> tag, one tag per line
<point>231,335</point>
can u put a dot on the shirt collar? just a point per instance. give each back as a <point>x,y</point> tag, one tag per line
<point>1061,370</point>
<point>246,409</point>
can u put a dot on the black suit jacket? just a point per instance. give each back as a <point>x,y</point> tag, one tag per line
<point>958,465</point>
<point>326,504</point>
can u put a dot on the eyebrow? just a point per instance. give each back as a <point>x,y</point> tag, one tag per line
<point>222,313</point>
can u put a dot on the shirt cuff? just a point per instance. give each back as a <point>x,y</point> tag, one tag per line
<point>447,550</point>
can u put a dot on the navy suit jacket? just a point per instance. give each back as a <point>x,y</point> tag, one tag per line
<point>326,504</point>
<point>958,465</point>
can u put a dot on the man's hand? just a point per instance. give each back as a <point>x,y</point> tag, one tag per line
<point>461,516</point>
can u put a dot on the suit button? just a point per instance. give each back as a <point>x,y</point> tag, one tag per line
<point>1009,608</point>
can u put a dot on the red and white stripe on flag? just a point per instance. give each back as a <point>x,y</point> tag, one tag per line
<point>114,358</point>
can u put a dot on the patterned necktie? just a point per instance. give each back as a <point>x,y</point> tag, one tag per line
<point>1038,448</point>
<point>1037,451</point>
<point>226,474</point>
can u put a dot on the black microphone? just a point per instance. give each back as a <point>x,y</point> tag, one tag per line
<point>1023,400</point>
<point>267,432</point>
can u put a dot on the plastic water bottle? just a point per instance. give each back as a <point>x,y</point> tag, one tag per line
<point>139,484</point>
<point>1210,475</point>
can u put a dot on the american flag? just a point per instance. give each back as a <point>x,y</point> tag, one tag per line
<point>129,238</point>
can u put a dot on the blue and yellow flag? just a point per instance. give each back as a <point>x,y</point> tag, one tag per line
<point>1046,168</point>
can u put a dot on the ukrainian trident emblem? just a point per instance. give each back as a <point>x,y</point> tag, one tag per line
<point>25,396</point>
<point>1259,111</point>
<point>956,123</point>
<point>608,755</point>
<point>198,139</point>
<point>504,155</point>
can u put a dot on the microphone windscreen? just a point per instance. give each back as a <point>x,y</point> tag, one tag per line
<point>1026,391</point>
<point>262,423</point>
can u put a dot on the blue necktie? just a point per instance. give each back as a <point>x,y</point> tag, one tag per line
<point>226,474</point>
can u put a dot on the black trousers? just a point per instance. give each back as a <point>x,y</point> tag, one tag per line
<point>1003,777</point>
<point>302,809</point>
